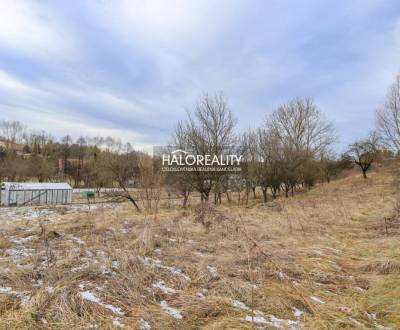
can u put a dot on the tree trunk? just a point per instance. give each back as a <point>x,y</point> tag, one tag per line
<point>185,200</point>
<point>264,191</point>
<point>228,196</point>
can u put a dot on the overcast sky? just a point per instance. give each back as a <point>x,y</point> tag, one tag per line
<point>130,69</point>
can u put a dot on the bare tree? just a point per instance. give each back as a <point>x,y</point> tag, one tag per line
<point>301,124</point>
<point>12,132</point>
<point>364,153</point>
<point>123,169</point>
<point>209,130</point>
<point>150,182</point>
<point>388,117</point>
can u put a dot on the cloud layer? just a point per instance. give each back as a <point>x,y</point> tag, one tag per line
<point>131,68</point>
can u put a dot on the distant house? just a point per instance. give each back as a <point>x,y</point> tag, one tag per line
<point>35,193</point>
<point>63,164</point>
<point>18,148</point>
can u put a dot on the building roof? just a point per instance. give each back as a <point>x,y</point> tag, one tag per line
<point>35,185</point>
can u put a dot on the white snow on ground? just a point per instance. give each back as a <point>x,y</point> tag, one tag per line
<point>381,327</point>
<point>281,275</point>
<point>171,311</point>
<point>22,240</point>
<point>273,321</point>
<point>255,319</point>
<point>161,285</point>
<point>51,212</point>
<point>144,325</point>
<point>157,263</point>
<point>90,296</point>
<point>213,271</point>
<point>116,323</point>
<point>260,318</point>
<point>77,240</point>
<point>372,317</point>
<point>107,271</point>
<point>317,300</point>
<point>276,322</point>
<point>19,252</point>
<point>240,305</point>
<point>24,297</point>
<point>297,312</point>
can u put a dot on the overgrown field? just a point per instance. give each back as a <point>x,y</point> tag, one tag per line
<point>324,259</point>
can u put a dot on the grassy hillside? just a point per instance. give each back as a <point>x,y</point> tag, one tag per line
<point>320,260</point>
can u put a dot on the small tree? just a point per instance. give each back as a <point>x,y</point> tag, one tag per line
<point>123,169</point>
<point>364,153</point>
<point>209,129</point>
<point>388,118</point>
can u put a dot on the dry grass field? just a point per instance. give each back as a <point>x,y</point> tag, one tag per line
<point>323,259</point>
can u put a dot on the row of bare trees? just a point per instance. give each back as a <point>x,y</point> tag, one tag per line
<point>290,151</point>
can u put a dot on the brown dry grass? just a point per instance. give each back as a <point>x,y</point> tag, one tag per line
<point>328,244</point>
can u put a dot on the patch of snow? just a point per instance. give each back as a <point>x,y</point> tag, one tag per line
<point>273,321</point>
<point>77,240</point>
<point>37,284</point>
<point>317,300</point>
<point>281,275</point>
<point>157,263</point>
<point>52,213</point>
<point>240,305</point>
<point>213,271</point>
<point>90,296</point>
<point>171,311</point>
<point>24,297</point>
<point>260,318</point>
<point>276,322</point>
<point>20,241</point>
<point>116,323</point>
<point>297,312</point>
<point>90,254</point>
<point>381,327</point>
<point>256,319</point>
<point>161,285</point>
<point>144,325</point>
<point>20,253</point>
<point>106,271</point>
<point>115,264</point>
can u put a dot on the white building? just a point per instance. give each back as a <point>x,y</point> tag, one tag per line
<point>34,193</point>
